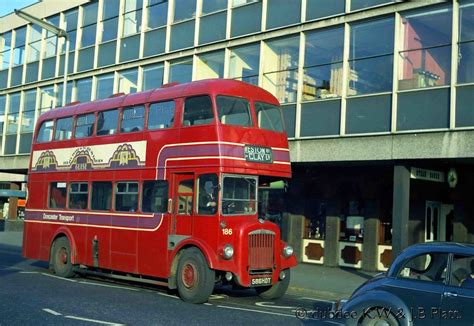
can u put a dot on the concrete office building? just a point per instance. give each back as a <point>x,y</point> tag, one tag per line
<point>377,95</point>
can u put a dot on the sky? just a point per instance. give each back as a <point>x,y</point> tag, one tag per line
<point>7,6</point>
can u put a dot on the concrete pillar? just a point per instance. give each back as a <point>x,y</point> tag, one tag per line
<point>294,234</point>
<point>371,242</point>
<point>401,208</point>
<point>13,203</point>
<point>331,242</point>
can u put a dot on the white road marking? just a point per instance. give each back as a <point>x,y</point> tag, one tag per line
<point>52,312</point>
<point>313,299</point>
<point>168,295</point>
<point>108,286</point>
<point>61,278</point>
<point>216,297</point>
<point>259,311</point>
<point>24,272</point>
<point>272,305</point>
<point>92,320</point>
<point>208,304</point>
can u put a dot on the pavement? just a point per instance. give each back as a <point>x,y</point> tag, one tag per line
<point>326,283</point>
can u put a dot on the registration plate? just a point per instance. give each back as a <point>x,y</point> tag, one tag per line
<point>261,281</point>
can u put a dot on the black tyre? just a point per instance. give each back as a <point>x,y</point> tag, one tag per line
<point>61,258</point>
<point>194,278</point>
<point>276,290</point>
<point>378,317</point>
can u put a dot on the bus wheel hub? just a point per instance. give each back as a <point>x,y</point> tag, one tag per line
<point>62,255</point>
<point>189,275</point>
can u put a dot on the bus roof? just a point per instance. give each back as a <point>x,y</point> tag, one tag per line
<point>207,86</point>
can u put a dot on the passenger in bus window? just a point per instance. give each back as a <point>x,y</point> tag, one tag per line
<point>207,194</point>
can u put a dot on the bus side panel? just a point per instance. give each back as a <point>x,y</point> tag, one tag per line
<point>37,196</point>
<point>123,249</point>
<point>31,239</point>
<point>152,251</point>
<point>102,237</point>
<point>75,234</point>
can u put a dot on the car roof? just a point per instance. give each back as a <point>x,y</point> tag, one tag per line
<point>443,247</point>
<point>427,247</point>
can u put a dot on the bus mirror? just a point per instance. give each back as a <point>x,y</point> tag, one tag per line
<point>170,206</point>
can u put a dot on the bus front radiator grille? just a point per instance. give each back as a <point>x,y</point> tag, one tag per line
<point>261,248</point>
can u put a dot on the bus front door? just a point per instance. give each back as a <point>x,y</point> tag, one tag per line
<point>183,204</point>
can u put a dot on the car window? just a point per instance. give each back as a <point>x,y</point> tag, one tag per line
<point>462,271</point>
<point>426,267</point>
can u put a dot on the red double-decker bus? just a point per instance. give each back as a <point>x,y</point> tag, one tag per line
<point>161,186</point>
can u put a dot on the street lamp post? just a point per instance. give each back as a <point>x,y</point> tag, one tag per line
<point>56,31</point>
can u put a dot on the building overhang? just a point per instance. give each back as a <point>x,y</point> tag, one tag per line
<point>12,177</point>
<point>14,164</point>
<point>423,145</point>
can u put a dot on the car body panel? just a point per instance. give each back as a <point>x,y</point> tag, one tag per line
<point>427,298</point>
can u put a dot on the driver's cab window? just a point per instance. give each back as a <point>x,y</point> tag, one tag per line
<point>207,194</point>
<point>185,197</point>
<point>426,267</point>
<point>462,272</point>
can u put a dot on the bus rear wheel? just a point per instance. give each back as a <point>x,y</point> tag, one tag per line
<point>195,280</point>
<point>275,291</point>
<point>61,258</point>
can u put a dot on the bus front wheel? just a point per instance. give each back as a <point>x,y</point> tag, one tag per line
<point>195,280</point>
<point>276,290</point>
<point>61,258</point>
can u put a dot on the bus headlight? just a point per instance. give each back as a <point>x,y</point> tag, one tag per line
<point>287,251</point>
<point>228,251</point>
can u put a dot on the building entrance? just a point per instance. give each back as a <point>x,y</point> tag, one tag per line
<point>437,221</point>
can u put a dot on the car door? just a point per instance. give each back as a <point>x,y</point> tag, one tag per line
<point>457,305</point>
<point>420,284</point>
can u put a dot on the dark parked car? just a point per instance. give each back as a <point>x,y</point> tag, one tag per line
<point>427,284</point>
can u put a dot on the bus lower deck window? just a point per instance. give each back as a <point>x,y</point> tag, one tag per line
<point>78,195</point>
<point>126,197</point>
<point>101,198</point>
<point>155,196</point>
<point>57,195</point>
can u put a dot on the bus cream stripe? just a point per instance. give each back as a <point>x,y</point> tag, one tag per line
<point>215,157</point>
<point>203,157</point>
<point>219,142</point>
<point>97,226</point>
<point>88,213</point>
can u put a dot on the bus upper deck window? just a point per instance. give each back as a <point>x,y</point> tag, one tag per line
<point>84,125</point>
<point>233,111</point>
<point>133,119</point>
<point>107,122</point>
<point>45,133</point>
<point>63,129</point>
<point>269,116</point>
<point>161,115</point>
<point>198,111</point>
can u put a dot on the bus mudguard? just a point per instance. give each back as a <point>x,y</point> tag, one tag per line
<point>64,231</point>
